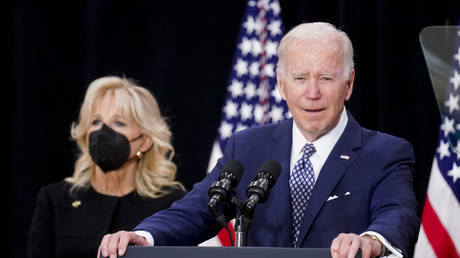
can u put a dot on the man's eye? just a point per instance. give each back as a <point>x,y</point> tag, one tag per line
<point>299,78</point>
<point>326,78</point>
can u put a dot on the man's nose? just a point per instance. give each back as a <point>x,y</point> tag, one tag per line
<point>312,90</point>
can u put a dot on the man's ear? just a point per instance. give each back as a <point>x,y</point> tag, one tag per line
<point>280,84</point>
<point>349,85</point>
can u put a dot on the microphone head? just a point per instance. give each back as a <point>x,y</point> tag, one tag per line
<point>233,167</point>
<point>259,188</point>
<point>271,167</point>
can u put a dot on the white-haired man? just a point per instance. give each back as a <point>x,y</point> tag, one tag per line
<point>341,186</point>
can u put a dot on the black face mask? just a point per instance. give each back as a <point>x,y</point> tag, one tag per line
<point>109,149</point>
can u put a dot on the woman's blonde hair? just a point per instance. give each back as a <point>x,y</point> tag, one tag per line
<point>155,170</point>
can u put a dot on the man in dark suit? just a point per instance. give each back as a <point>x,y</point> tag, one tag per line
<point>341,186</point>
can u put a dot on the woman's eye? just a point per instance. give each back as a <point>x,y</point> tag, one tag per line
<point>119,124</point>
<point>96,122</point>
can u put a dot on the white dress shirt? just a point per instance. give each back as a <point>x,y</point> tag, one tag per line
<point>323,145</point>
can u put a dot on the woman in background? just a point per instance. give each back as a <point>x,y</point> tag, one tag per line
<point>124,173</point>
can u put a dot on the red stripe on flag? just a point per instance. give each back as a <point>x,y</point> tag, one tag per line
<point>223,235</point>
<point>436,234</point>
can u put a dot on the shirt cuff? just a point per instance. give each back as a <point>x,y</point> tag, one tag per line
<point>146,235</point>
<point>395,252</point>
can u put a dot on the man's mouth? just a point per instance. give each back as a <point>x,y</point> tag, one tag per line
<point>314,110</point>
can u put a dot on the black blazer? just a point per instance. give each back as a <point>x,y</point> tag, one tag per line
<point>72,225</point>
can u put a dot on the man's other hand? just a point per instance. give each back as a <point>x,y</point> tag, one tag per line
<point>347,245</point>
<point>117,243</point>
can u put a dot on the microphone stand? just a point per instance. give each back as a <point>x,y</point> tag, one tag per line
<point>242,225</point>
<point>243,220</point>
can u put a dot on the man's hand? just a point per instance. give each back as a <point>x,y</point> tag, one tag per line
<point>117,243</point>
<point>347,245</point>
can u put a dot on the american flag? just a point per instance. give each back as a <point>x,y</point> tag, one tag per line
<point>440,230</point>
<point>252,97</point>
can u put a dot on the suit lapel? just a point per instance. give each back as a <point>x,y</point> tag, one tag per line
<point>332,171</point>
<point>282,140</point>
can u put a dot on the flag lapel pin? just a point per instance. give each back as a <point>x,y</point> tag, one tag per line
<point>346,157</point>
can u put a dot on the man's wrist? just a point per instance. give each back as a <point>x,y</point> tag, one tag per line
<point>145,234</point>
<point>383,250</point>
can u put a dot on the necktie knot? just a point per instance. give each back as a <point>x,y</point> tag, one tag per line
<point>308,150</point>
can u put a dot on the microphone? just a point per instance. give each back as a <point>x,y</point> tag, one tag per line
<point>258,189</point>
<point>228,178</point>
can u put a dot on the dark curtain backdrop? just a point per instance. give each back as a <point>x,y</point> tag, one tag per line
<point>182,51</point>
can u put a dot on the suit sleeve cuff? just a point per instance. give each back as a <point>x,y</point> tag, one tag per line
<point>394,252</point>
<point>146,235</point>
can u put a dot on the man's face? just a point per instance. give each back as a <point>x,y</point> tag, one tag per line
<point>314,86</point>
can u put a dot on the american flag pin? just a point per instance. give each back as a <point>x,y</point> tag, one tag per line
<point>345,157</point>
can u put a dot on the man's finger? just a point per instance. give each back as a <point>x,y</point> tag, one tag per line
<point>125,239</point>
<point>344,245</point>
<point>354,246</point>
<point>366,247</point>
<point>112,247</point>
<point>98,252</point>
<point>335,245</point>
<point>104,244</point>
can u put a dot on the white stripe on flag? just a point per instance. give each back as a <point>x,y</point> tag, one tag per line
<point>445,204</point>
<point>423,248</point>
<point>216,154</point>
<point>211,242</point>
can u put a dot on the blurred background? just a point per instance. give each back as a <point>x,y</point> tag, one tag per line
<point>183,52</point>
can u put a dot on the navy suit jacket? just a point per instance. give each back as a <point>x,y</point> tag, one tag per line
<point>374,189</point>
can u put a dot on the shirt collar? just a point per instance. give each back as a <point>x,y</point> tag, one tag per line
<point>325,143</point>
